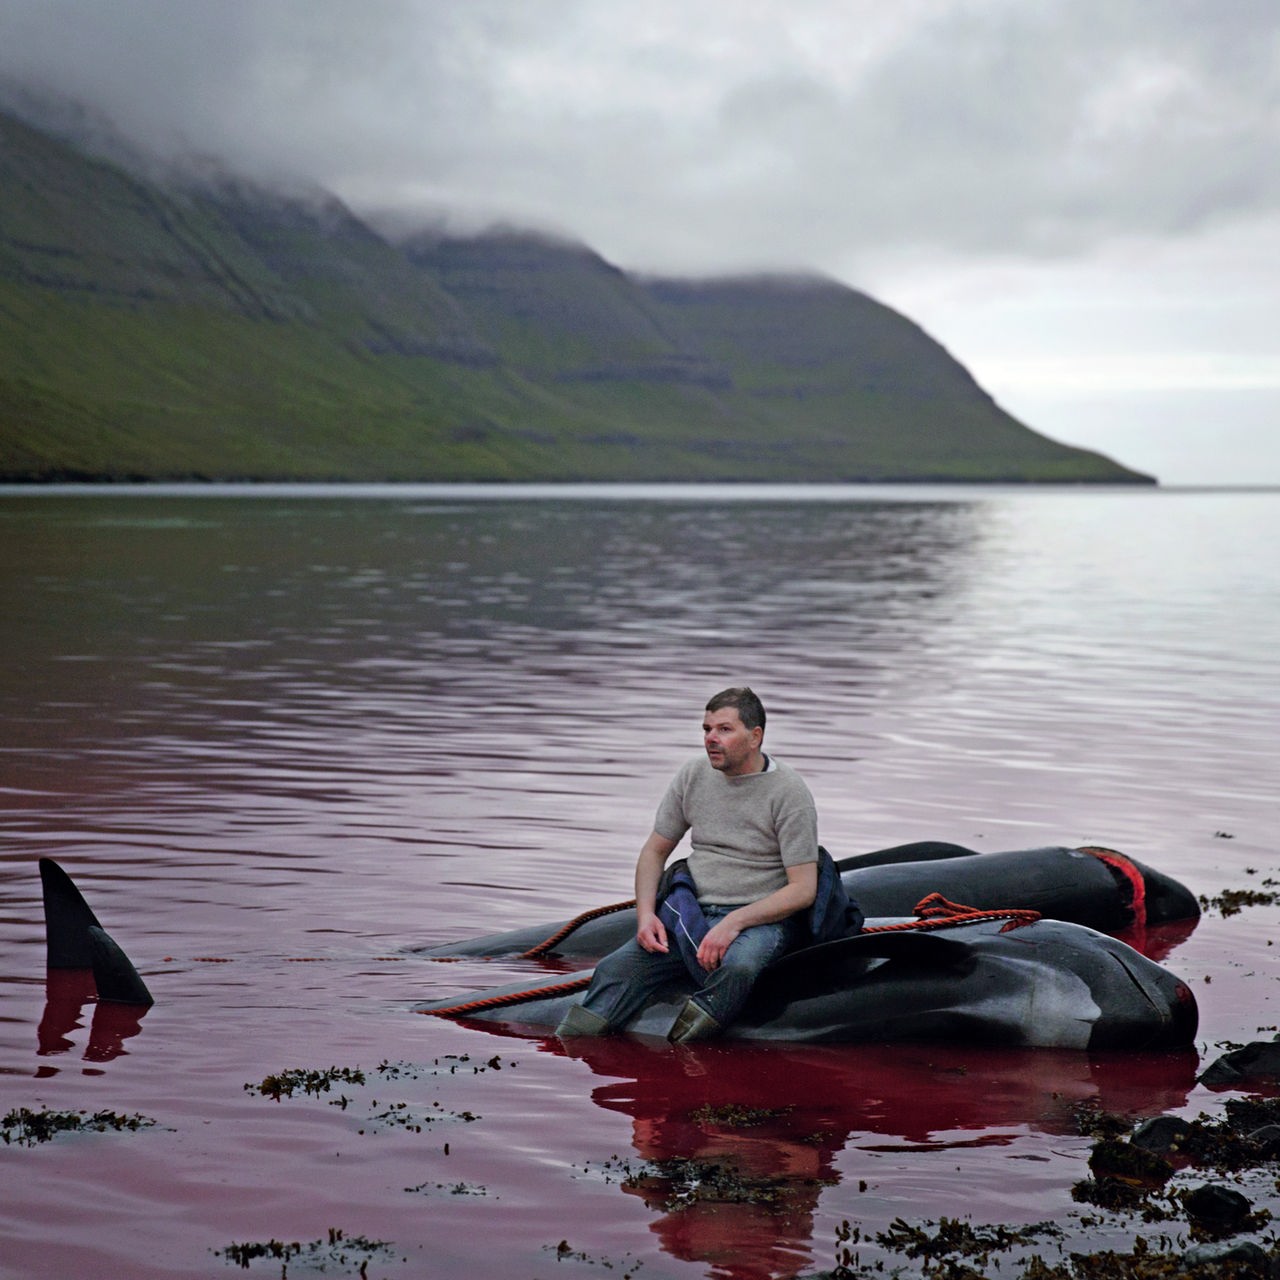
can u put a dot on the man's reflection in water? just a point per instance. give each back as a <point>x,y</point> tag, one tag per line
<point>67,991</point>
<point>735,1144</point>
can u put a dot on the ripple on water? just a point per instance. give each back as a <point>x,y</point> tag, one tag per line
<point>279,741</point>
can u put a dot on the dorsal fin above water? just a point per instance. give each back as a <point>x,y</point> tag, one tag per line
<point>67,919</point>
<point>113,972</point>
<point>76,940</point>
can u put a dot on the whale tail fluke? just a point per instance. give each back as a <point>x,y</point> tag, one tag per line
<point>76,940</point>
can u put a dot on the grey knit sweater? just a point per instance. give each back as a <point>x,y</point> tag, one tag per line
<point>744,831</point>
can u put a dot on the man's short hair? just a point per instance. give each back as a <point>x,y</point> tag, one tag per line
<point>749,708</point>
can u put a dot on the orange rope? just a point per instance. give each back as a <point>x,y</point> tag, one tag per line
<point>512,997</point>
<point>933,912</point>
<point>547,944</point>
<point>936,912</point>
<point>565,930</point>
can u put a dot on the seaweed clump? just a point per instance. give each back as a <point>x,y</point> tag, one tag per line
<point>677,1183</point>
<point>680,1182</point>
<point>1243,1262</point>
<point>1133,1170</point>
<point>27,1127</point>
<point>287,1083</point>
<point>1232,901</point>
<point>956,1237</point>
<point>1132,1174</point>
<point>394,1115</point>
<point>953,1251</point>
<point>958,1251</point>
<point>564,1251</point>
<point>339,1250</point>
<point>1126,1177</point>
<point>735,1116</point>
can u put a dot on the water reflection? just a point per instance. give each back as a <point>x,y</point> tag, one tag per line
<point>259,605</point>
<point>250,692</point>
<point>197,678</point>
<point>734,1147</point>
<point>67,993</point>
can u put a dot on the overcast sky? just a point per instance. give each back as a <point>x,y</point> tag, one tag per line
<point>1079,198</point>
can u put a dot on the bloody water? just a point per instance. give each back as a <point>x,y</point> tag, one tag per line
<point>281,740</point>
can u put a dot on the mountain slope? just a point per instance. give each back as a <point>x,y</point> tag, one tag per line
<point>165,330</point>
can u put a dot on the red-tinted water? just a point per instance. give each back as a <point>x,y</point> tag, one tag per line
<point>280,742</point>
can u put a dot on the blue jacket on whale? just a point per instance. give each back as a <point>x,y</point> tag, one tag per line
<point>833,915</point>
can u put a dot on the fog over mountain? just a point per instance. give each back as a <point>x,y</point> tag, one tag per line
<point>1079,198</point>
<point>162,324</point>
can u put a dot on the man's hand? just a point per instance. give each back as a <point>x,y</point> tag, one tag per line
<point>797,894</point>
<point>651,933</point>
<point>716,943</point>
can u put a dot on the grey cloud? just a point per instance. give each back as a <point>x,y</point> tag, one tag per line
<point>1047,129</point>
<point>718,133</point>
<point>1063,191</point>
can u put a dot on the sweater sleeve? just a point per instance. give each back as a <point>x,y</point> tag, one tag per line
<point>796,822</point>
<point>671,820</point>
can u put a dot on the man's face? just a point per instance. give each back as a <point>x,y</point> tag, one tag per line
<point>731,747</point>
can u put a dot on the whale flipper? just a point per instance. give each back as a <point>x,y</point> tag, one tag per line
<point>927,950</point>
<point>113,972</point>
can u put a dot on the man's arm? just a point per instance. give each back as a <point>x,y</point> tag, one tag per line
<point>797,894</point>
<point>651,934</point>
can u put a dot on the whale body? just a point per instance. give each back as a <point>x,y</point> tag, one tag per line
<point>1058,981</point>
<point>1061,981</point>
<point>1047,984</point>
<point>1100,888</point>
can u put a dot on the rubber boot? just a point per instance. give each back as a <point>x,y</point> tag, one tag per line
<point>581,1022</point>
<point>693,1023</point>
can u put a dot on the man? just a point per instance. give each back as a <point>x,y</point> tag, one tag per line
<point>754,869</point>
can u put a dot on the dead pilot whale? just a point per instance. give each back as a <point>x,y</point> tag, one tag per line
<point>1047,984</point>
<point>1058,982</point>
<point>1097,887</point>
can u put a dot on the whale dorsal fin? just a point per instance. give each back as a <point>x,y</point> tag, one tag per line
<point>67,919</point>
<point>113,972</point>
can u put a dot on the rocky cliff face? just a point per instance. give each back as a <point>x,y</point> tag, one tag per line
<point>164,328</point>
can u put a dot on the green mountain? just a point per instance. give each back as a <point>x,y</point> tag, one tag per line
<point>158,329</point>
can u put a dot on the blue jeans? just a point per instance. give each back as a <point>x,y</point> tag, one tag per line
<point>628,978</point>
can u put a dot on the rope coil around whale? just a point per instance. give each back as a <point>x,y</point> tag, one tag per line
<point>932,912</point>
<point>540,949</point>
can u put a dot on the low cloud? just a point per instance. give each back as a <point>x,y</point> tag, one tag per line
<point>1024,179</point>
<point>721,134</point>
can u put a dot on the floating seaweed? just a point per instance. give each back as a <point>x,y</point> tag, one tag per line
<point>338,1250</point>
<point>1232,901</point>
<point>287,1083</point>
<point>734,1116</point>
<point>565,1252</point>
<point>27,1127</point>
